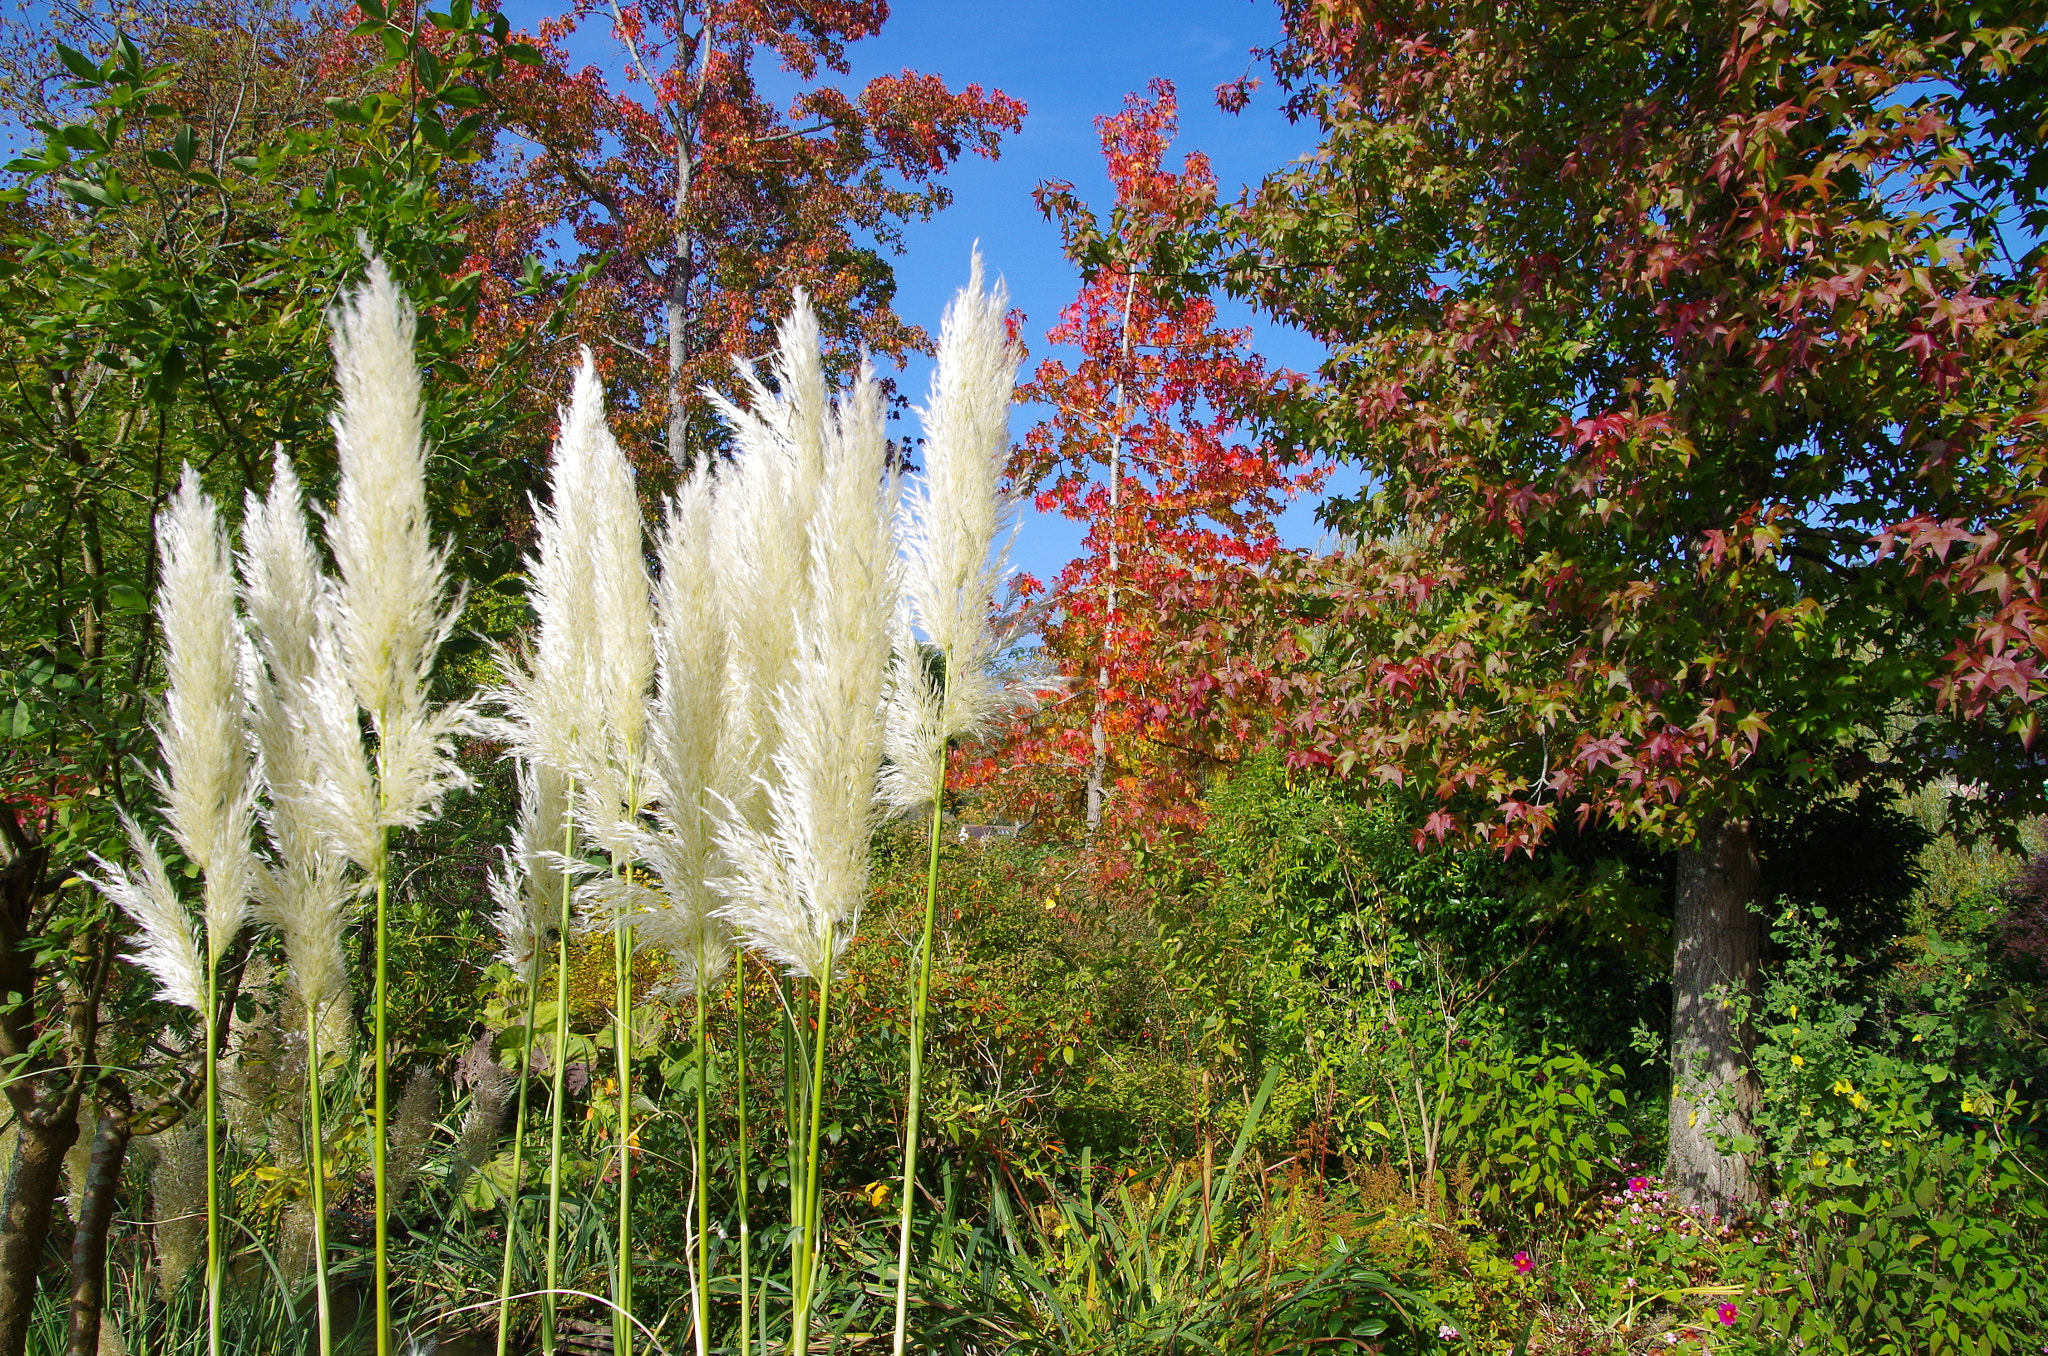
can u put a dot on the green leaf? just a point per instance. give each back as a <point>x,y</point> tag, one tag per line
<point>82,138</point>
<point>79,64</point>
<point>86,194</point>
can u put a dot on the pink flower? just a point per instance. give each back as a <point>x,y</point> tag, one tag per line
<point>1726,1313</point>
<point>1638,1184</point>
<point>1524,1263</point>
<point>1446,1333</point>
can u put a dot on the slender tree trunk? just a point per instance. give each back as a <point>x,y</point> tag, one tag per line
<point>32,1187</point>
<point>1096,735</point>
<point>38,1167</point>
<point>89,1244</point>
<point>1716,944</point>
<point>679,313</point>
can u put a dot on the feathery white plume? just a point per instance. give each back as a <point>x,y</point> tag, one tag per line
<point>798,881</point>
<point>953,560</point>
<point>390,607</point>
<point>578,699</point>
<point>527,885</point>
<point>687,730</point>
<point>311,758</point>
<point>612,780</point>
<point>208,781</point>
<point>167,949</point>
<point>766,499</point>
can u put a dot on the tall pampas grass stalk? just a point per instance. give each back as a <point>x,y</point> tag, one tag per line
<point>689,727</point>
<point>525,887</point>
<point>389,611</point>
<point>953,562</point>
<point>577,703</point>
<point>612,780</point>
<point>304,892</point>
<point>687,732</point>
<point>208,789</point>
<point>761,533</point>
<point>797,881</point>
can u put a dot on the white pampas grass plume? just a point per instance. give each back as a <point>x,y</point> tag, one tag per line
<point>168,948</point>
<point>687,732</point>
<point>797,884</point>
<point>955,545</point>
<point>527,884</point>
<point>578,699</point>
<point>612,780</point>
<point>208,781</point>
<point>312,756</point>
<point>390,607</point>
<point>412,1129</point>
<point>766,499</point>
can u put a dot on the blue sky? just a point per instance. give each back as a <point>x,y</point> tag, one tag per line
<point>1069,62</point>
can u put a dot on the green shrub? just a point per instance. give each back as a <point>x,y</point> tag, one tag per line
<point>1945,1252</point>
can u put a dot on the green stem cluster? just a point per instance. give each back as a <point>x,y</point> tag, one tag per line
<point>701,1186</point>
<point>622,1286</point>
<point>380,1132</point>
<point>557,1092</point>
<point>919,1008</point>
<point>746,1242</point>
<point>804,1259</point>
<point>213,1254</point>
<point>516,1194</point>
<point>317,1180</point>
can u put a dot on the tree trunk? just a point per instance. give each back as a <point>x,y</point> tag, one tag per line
<point>89,1244</point>
<point>679,312</point>
<point>38,1168</point>
<point>32,1188</point>
<point>1715,946</point>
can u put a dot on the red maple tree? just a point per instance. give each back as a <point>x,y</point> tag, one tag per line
<point>700,203</point>
<point>1148,441</point>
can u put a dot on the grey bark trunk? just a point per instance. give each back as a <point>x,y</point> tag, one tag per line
<point>89,1244</point>
<point>679,313</point>
<point>1716,944</point>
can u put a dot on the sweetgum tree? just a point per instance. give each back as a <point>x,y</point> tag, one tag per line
<point>1150,441</point>
<point>699,200</point>
<point>1649,320</point>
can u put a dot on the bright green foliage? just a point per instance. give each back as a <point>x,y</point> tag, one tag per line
<point>1534,1134</point>
<point>1942,1253</point>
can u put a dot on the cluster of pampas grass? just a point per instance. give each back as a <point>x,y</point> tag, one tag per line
<point>387,612</point>
<point>208,788</point>
<point>576,704</point>
<point>727,731</point>
<point>798,853</point>
<point>285,674</point>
